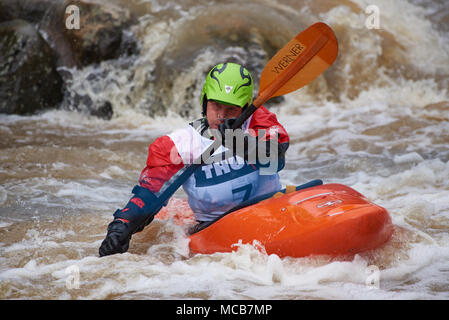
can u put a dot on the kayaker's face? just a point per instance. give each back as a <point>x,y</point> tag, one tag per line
<point>217,113</point>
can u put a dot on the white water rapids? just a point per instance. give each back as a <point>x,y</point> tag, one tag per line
<point>377,121</point>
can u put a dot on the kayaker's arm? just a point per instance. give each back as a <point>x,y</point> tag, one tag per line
<point>162,163</point>
<point>137,214</point>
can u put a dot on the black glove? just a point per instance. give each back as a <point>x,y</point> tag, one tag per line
<point>226,125</point>
<point>248,149</point>
<point>117,238</point>
<point>247,144</point>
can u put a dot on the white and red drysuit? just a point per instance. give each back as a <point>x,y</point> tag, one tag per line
<point>217,187</point>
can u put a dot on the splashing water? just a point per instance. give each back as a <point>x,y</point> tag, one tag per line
<point>377,121</point>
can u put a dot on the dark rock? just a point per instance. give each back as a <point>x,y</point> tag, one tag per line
<point>104,111</point>
<point>101,35</point>
<point>28,77</point>
<point>31,11</point>
<point>47,16</point>
<point>74,101</point>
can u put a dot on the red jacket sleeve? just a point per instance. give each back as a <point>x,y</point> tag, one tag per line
<point>162,163</point>
<point>266,120</point>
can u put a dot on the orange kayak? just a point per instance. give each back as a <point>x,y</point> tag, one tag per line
<point>330,219</point>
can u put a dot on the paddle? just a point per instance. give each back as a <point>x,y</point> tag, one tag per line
<point>300,61</point>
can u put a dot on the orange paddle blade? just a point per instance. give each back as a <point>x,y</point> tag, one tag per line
<point>300,61</point>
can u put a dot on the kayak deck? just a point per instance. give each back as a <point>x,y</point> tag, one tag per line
<point>330,219</point>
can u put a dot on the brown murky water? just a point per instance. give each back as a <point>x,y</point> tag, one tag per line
<point>377,121</point>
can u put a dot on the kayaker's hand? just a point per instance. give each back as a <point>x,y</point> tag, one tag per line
<point>117,239</point>
<point>250,144</point>
<point>243,146</point>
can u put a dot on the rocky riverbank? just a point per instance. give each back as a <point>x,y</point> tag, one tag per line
<point>40,39</point>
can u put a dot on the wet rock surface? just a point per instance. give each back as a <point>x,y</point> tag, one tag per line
<point>37,45</point>
<point>28,78</point>
<point>99,36</point>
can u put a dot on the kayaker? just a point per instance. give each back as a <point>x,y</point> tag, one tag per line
<point>214,187</point>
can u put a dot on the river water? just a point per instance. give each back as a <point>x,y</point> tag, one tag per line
<point>377,121</point>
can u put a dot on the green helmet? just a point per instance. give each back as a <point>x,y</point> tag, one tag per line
<point>228,83</point>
